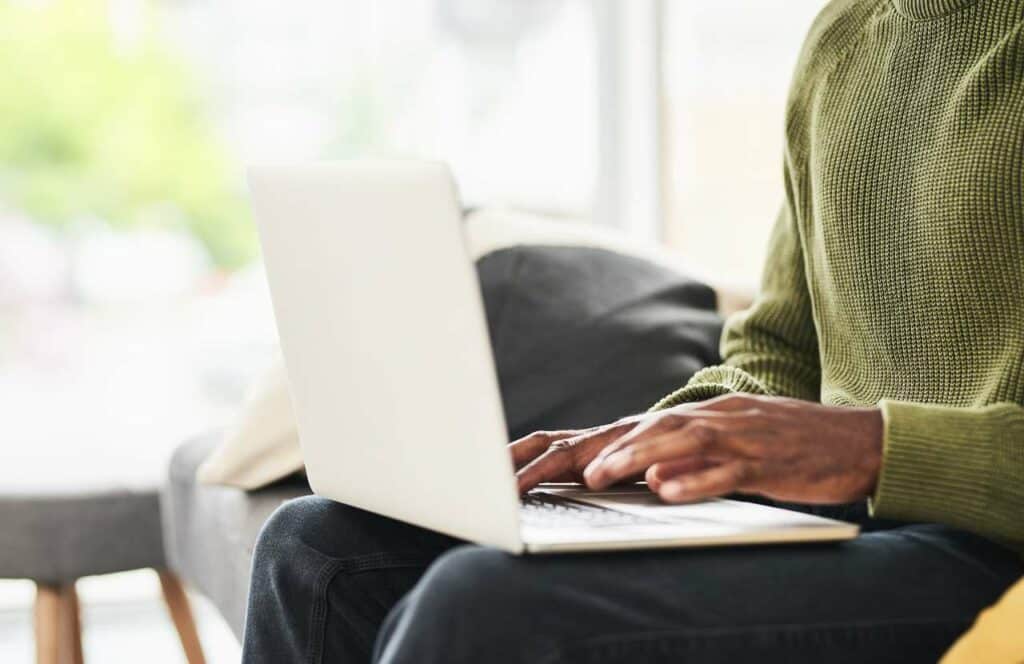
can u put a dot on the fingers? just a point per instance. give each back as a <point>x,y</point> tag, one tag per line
<point>709,483</point>
<point>659,473</point>
<point>563,456</point>
<point>530,447</point>
<point>626,448</point>
<point>661,422</point>
<point>673,420</point>
<point>693,440</point>
<point>558,460</point>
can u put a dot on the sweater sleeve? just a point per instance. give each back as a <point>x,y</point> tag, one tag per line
<point>771,348</point>
<point>960,466</point>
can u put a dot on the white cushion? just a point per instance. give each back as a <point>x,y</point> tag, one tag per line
<point>262,445</point>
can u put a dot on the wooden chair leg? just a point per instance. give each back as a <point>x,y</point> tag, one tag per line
<point>181,614</point>
<point>58,625</point>
<point>71,623</point>
<point>47,619</point>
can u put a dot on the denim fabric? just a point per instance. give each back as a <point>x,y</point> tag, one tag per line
<point>335,584</point>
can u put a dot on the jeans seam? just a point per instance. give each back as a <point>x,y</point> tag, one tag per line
<point>688,639</point>
<point>351,565</point>
<point>318,620</point>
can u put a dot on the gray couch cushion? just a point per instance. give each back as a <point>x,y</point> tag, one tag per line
<point>210,530</point>
<point>583,336</point>
<point>62,536</point>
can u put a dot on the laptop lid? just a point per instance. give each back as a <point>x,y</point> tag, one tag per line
<point>385,341</point>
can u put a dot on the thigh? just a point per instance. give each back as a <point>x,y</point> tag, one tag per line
<point>899,595</point>
<point>324,577</point>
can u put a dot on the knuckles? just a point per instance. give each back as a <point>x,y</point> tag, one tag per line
<point>563,446</point>
<point>702,433</point>
<point>742,473</point>
<point>674,418</point>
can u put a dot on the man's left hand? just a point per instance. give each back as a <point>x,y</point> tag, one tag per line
<point>785,449</point>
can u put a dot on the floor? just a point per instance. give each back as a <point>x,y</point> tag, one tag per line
<point>122,617</point>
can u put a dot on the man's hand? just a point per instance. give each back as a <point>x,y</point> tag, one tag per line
<point>561,456</point>
<point>785,449</point>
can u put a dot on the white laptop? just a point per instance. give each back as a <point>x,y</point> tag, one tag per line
<point>384,337</point>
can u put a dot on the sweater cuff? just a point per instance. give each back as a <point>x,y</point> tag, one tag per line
<point>933,468</point>
<point>710,383</point>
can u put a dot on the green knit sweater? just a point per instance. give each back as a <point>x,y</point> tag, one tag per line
<point>895,273</point>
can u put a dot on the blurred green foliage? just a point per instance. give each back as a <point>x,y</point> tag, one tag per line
<point>96,126</point>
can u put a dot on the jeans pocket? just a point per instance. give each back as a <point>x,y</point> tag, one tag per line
<point>352,596</point>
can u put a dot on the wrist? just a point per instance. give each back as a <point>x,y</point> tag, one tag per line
<point>871,434</point>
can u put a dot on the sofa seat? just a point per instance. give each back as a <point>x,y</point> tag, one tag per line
<point>210,531</point>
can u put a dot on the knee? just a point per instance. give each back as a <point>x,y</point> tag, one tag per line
<point>307,531</point>
<point>286,535</point>
<point>310,530</point>
<point>291,523</point>
<point>467,584</point>
<point>464,567</point>
<point>467,607</point>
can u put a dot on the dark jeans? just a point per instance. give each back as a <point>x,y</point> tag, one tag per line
<point>332,583</point>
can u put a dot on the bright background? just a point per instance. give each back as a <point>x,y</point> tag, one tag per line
<point>133,311</point>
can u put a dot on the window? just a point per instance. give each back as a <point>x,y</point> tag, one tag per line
<point>501,90</point>
<point>727,67</point>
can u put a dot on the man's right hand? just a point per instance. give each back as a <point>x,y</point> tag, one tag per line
<point>562,456</point>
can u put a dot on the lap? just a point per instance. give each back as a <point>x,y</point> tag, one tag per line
<point>901,593</point>
<point>926,572</point>
<point>898,595</point>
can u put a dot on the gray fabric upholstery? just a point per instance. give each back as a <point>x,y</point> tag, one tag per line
<point>583,336</point>
<point>56,538</point>
<point>210,530</point>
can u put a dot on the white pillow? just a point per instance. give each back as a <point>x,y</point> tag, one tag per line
<point>263,445</point>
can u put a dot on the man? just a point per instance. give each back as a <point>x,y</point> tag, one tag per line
<point>881,365</point>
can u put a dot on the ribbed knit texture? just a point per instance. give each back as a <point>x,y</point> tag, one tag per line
<point>895,273</point>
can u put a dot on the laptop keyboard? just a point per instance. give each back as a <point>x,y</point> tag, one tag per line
<point>547,511</point>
